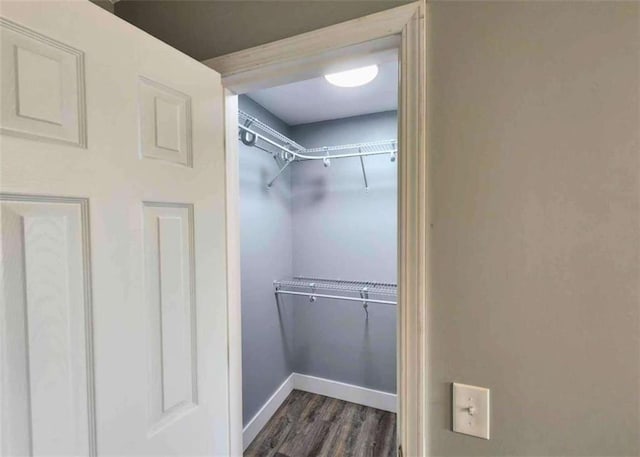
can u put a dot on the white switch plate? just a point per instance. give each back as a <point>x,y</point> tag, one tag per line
<point>471,410</point>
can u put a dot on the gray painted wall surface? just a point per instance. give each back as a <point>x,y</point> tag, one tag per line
<point>317,222</point>
<point>535,249</point>
<point>205,29</point>
<point>342,232</point>
<point>265,235</point>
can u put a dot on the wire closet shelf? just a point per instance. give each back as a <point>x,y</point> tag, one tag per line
<point>254,132</point>
<point>365,292</point>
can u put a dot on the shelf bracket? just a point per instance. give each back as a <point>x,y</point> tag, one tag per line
<point>247,137</point>
<point>277,289</point>
<point>326,161</point>
<point>364,171</point>
<point>312,297</point>
<point>284,167</point>
<point>364,294</point>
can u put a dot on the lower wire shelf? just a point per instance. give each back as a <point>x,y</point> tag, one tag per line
<point>314,288</point>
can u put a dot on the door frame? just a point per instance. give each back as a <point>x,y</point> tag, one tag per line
<point>307,55</point>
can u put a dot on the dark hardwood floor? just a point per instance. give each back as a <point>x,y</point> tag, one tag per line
<point>309,425</point>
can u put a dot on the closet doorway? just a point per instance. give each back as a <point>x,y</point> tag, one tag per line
<point>318,239</point>
<point>325,262</point>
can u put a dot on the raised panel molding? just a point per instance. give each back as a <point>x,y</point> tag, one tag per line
<point>43,87</point>
<point>39,83</point>
<point>165,123</point>
<point>170,296</point>
<point>48,405</point>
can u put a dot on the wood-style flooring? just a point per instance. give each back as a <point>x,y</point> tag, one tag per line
<point>309,425</point>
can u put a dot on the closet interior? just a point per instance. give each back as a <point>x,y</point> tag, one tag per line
<point>318,218</point>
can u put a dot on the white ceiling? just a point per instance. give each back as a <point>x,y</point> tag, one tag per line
<point>316,100</point>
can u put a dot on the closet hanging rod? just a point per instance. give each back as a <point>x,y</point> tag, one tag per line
<point>300,153</point>
<point>335,297</point>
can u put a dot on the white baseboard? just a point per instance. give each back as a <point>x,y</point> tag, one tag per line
<point>347,392</point>
<point>261,418</point>
<point>334,389</point>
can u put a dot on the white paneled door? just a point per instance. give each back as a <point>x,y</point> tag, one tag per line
<point>113,280</point>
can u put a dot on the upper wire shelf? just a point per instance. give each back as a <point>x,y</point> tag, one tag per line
<point>254,132</point>
<point>254,125</point>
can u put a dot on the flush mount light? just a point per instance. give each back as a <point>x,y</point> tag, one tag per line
<point>353,78</point>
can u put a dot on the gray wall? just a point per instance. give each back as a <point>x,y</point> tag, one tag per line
<point>316,222</point>
<point>342,232</point>
<point>210,28</point>
<point>535,248</point>
<point>265,236</point>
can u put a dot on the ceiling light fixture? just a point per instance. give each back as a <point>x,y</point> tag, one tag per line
<point>353,78</point>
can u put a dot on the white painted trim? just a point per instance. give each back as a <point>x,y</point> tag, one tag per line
<point>358,55</point>
<point>347,392</point>
<point>334,389</point>
<point>258,67</point>
<point>234,311</point>
<point>260,419</point>
<point>413,238</point>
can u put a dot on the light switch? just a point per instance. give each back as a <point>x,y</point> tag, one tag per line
<point>471,410</point>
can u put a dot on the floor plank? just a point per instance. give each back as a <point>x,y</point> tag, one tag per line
<point>310,425</point>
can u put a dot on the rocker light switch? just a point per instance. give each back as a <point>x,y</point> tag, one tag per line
<point>471,410</point>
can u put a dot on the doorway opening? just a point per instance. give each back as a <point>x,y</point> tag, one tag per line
<point>401,32</point>
<point>318,242</point>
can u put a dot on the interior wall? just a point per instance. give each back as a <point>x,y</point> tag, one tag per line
<point>266,255</point>
<point>341,231</point>
<point>316,222</point>
<point>534,124</point>
<point>206,29</point>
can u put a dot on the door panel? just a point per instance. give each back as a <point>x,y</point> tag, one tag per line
<point>113,308</point>
<point>44,92</point>
<point>169,266</point>
<point>47,336</point>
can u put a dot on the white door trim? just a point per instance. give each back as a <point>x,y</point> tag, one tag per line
<point>308,55</point>
<point>234,317</point>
